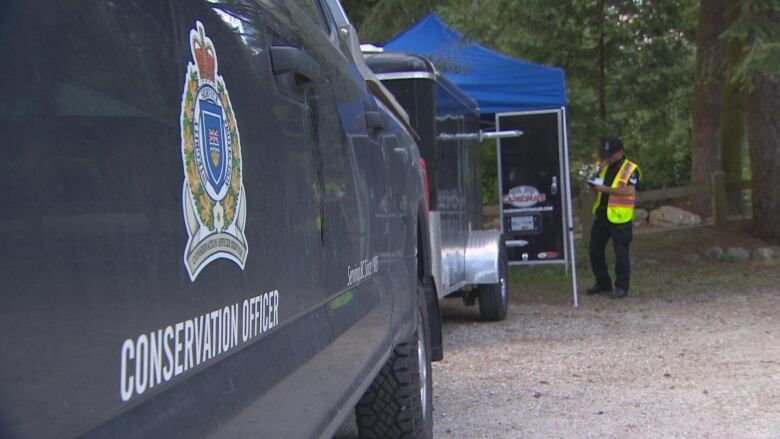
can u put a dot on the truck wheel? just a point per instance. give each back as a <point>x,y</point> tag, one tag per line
<point>398,403</point>
<point>494,298</point>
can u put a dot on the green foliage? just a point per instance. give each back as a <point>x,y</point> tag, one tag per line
<point>489,167</point>
<point>379,20</point>
<point>757,29</point>
<point>649,68</point>
<point>648,49</point>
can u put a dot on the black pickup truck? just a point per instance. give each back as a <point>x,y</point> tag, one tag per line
<point>213,226</point>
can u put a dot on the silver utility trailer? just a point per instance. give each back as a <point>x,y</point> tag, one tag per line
<point>466,260</point>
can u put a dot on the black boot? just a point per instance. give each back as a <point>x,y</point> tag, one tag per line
<point>619,293</point>
<point>597,289</point>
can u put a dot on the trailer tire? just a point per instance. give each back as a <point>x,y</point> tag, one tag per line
<point>494,298</point>
<point>398,403</point>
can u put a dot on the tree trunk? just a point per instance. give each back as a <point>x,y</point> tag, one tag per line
<point>732,140</point>
<point>602,73</point>
<point>706,153</point>
<point>732,127</point>
<point>763,133</point>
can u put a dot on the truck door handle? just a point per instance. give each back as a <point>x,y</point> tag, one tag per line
<point>375,120</point>
<point>402,151</point>
<point>286,59</point>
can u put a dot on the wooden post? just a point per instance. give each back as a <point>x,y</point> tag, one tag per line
<point>720,207</point>
<point>587,198</point>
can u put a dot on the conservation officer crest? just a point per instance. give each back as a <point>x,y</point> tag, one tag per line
<point>213,196</point>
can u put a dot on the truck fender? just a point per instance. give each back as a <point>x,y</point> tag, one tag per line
<point>424,248</point>
<point>434,320</point>
<point>429,286</point>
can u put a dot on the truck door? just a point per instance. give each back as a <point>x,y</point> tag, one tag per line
<point>357,300</point>
<point>398,167</point>
<point>162,178</point>
<point>348,125</point>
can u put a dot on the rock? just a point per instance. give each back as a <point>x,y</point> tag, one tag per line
<point>737,253</point>
<point>640,223</point>
<point>714,253</point>
<point>692,258</point>
<point>763,253</point>
<point>656,219</point>
<point>669,216</point>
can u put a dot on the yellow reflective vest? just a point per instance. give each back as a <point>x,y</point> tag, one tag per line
<point>620,208</point>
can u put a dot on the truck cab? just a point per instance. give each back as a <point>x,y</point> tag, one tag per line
<point>212,227</point>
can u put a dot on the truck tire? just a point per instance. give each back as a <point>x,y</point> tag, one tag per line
<point>494,298</point>
<point>398,404</point>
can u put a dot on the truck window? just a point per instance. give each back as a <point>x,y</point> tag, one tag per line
<point>314,11</point>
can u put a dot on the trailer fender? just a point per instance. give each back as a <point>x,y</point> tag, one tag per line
<point>437,269</point>
<point>482,256</point>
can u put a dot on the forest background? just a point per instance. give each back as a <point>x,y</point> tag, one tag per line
<point>691,86</point>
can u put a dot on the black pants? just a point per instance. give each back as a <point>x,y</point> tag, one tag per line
<point>621,235</point>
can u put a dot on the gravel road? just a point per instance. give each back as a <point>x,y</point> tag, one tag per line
<point>705,367</point>
<point>642,367</point>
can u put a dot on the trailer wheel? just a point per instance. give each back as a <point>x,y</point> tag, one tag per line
<point>399,403</point>
<point>494,298</point>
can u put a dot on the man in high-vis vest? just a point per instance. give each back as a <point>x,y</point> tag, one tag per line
<point>614,214</point>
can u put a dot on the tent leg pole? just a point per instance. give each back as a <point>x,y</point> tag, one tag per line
<point>570,209</point>
<point>573,269</point>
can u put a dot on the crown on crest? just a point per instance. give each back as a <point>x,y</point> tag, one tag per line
<point>203,51</point>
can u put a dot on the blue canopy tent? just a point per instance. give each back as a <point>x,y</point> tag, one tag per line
<point>499,84</point>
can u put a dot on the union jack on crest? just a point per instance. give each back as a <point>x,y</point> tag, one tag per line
<point>213,137</point>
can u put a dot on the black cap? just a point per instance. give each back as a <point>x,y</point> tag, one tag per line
<point>610,147</point>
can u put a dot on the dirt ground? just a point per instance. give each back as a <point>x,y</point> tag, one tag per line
<point>692,352</point>
<point>640,367</point>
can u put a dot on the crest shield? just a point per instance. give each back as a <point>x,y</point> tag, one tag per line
<point>212,143</point>
<point>213,194</point>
